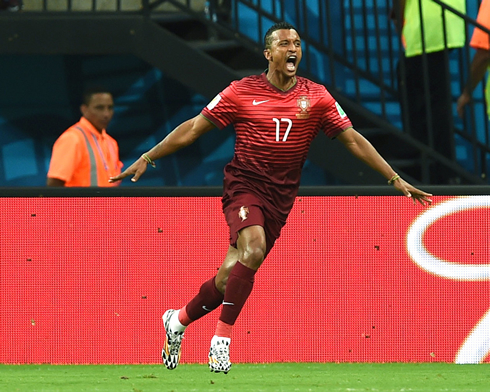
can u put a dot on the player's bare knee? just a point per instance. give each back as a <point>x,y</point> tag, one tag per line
<point>253,257</point>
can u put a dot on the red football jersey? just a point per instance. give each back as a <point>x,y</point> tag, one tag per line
<point>274,130</point>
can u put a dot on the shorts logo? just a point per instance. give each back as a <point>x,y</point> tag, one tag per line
<point>243,213</point>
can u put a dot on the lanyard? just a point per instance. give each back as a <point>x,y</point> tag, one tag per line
<point>111,148</point>
<point>102,154</point>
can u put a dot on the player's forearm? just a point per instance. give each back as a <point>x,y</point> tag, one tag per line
<point>179,138</point>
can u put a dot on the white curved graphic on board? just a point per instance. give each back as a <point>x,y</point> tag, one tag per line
<point>477,344</point>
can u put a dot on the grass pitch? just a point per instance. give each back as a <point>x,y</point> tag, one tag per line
<point>284,377</point>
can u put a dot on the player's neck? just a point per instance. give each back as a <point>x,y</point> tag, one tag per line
<point>281,82</point>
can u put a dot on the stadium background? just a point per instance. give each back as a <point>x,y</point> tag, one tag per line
<point>41,86</point>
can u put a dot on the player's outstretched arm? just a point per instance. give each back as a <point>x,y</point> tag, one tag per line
<point>185,134</point>
<point>361,148</point>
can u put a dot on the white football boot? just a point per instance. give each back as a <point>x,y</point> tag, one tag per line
<point>173,340</point>
<point>219,355</point>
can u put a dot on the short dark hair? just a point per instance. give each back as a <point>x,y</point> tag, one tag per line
<point>89,91</point>
<point>275,27</point>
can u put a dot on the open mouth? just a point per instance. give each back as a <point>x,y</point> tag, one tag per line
<point>291,63</point>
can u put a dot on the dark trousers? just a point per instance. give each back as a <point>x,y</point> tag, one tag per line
<point>425,98</point>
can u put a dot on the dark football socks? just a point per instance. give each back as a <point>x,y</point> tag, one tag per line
<point>238,288</point>
<point>208,299</point>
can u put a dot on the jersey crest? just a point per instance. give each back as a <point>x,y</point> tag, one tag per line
<point>303,104</point>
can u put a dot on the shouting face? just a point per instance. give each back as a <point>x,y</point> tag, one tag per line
<point>284,53</point>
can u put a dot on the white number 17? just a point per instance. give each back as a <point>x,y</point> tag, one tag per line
<point>278,127</point>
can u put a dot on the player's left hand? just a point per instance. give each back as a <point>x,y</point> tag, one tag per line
<point>415,194</point>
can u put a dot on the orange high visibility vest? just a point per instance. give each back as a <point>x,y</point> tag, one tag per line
<point>82,156</point>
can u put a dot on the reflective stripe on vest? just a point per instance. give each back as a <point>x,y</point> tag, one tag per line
<point>93,163</point>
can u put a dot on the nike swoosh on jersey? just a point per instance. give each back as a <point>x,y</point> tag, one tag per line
<point>228,303</point>
<point>259,102</point>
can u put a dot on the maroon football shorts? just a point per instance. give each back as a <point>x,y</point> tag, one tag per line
<point>244,210</point>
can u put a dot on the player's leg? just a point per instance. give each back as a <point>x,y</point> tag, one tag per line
<point>251,251</point>
<point>225,269</point>
<point>207,299</point>
<point>251,246</point>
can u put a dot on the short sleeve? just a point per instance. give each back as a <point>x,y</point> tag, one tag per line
<point>221,111</point>
<point>480,39</point>
<point>334,119</point>
<point>65,156</point>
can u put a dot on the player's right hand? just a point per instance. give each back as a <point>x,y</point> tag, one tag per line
<point>136,170</point>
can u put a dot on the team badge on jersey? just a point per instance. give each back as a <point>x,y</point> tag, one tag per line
<point>303,104</point>
<point>243,213</point>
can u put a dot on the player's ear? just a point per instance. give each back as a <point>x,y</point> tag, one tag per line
<point>268,54</point>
